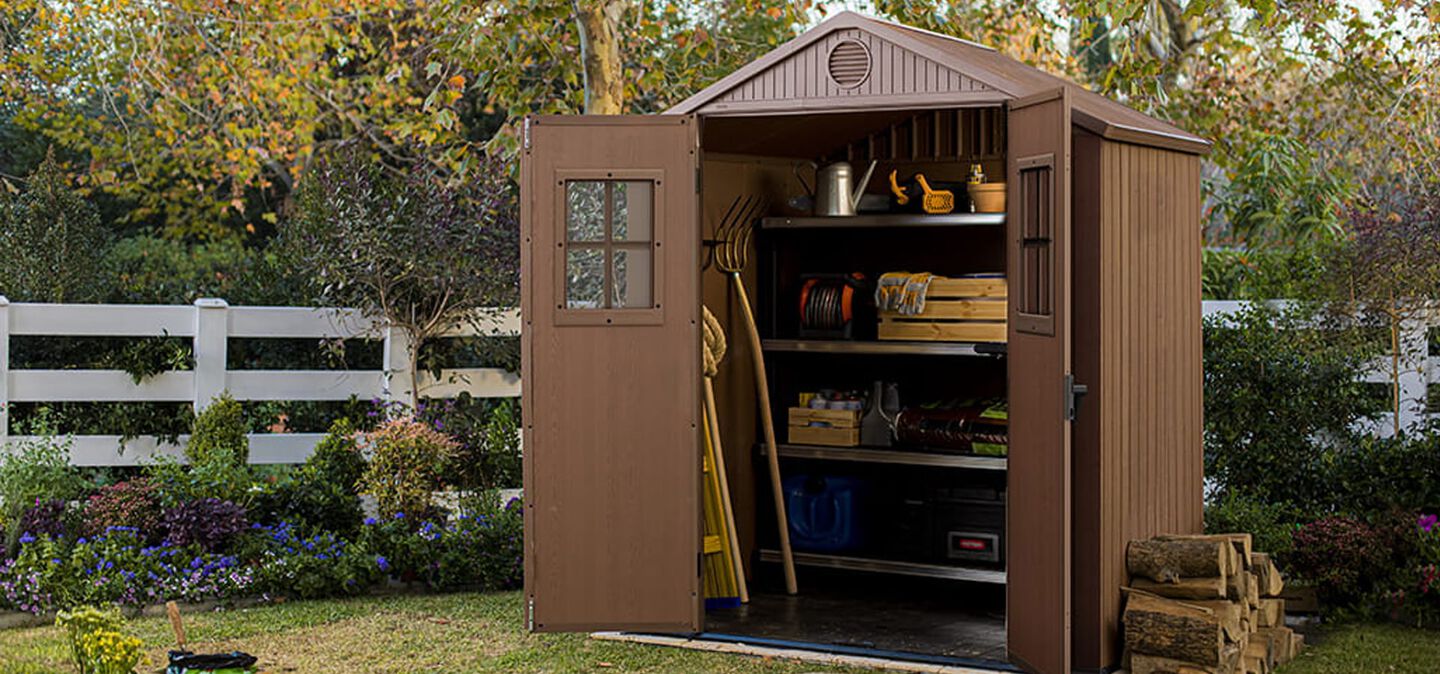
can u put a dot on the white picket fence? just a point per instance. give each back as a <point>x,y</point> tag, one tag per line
<point>1418,369</point>
<point>210,323</point>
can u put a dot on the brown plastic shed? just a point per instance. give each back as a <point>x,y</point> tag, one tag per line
<point>1099,245</point>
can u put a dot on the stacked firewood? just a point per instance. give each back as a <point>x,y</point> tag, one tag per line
<point>1204,605</point>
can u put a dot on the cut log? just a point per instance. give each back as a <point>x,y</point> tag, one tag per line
<point>1271,583</point>
<point>1230,615</point>
<point>1262,648</point>
<point>1243,544</point>
<point>1167,560</point>
<point>1237,587</point>
<point>1297,644</point>
<point>1253,665</point>
<point>1187,588</point>
<point>1282,643</point>
<point>1168,628</point>
<point>1154,664</point>
<point>1272,613</point>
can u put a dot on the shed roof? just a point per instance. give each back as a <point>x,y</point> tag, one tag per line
<point>909,68</point>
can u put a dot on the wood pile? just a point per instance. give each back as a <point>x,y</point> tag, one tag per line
<point>1204,605</point>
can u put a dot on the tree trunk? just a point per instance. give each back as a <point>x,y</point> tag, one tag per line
<point>599,23</point>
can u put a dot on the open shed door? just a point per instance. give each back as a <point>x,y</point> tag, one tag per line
<point>1041,390</point>
<point>611,373</point>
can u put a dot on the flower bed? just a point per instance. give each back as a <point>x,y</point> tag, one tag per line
<point>214,531</point>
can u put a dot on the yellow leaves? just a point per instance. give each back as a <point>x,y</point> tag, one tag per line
<point>774,12</point>
<point>456,82</point>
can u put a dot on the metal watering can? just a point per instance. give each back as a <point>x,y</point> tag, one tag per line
<point>835,191</point>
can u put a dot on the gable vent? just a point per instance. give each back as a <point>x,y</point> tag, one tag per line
<point>849,64</point>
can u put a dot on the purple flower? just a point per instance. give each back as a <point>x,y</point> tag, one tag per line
<point>371,521</point>
<point>27,538</point>
<point>1428,522</point>
<point>383,563</point>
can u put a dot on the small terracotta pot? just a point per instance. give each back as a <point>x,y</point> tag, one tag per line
<point>987,197</point>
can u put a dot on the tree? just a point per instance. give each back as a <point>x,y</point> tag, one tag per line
<point>1390,268</point>
<point>205,113</point>
<point>599,23</point>
<point>413,250</point>
<point>52,240</point>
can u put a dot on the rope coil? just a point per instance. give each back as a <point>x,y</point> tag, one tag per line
<point>713,349</point>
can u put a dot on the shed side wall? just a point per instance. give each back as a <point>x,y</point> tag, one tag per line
<point>1150,385</point>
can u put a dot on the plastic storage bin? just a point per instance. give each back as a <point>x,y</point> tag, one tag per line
<point>825,512</point>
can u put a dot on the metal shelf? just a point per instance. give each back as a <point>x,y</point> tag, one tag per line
<point>884,347</point>
<point>874,455</point>
<point>884,220</point>
<point>891,567</point>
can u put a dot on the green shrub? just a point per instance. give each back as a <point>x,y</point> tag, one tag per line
<point>219,435</point>
<point>1272,527</point>
<point>407,460</point>
<point>31,472</point>
<point>1283,392</point>
<point>321,494</point>
<point>487,435</point>
<point>337,459</point>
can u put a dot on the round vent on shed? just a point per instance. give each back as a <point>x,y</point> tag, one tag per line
<point>849,64</point>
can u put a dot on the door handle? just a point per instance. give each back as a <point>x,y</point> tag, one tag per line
<point>1073,393</point>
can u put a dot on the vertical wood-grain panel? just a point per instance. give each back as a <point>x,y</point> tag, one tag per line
<point>1149,392</point>
<point>612,460</point>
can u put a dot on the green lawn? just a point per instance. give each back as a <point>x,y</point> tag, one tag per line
<point>1391,649</point>
<point>482,633</point>
<point>448,633</point>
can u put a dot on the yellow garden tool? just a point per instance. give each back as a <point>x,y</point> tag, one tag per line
<point>732,253</point>
<point>724,573</point>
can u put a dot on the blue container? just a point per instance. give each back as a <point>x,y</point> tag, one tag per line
<point>825,512</point>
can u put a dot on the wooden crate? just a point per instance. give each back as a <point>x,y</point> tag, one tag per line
<point>804,416</point>
<point>956,310</point>
<point>831,437</point>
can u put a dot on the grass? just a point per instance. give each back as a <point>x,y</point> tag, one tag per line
<point>482,633</point>
<point>446,633</point>
<point>1391,649</point>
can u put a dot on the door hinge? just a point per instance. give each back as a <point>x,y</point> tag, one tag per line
<point>700,564</point>
<point>1073,393</point>
<point>525,132</point>
<point>530,615</point>
<point>697,178</point>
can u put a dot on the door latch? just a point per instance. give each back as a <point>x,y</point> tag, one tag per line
<point>1073,393</point>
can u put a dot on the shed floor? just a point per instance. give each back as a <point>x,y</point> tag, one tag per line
<point>927,617</point>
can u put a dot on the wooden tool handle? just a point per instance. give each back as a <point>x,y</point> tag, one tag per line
<point>173,611</point>
<point>767,424</point>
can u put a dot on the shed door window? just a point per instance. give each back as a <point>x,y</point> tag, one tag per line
<point>608,248</point>
<point>1036,293</point>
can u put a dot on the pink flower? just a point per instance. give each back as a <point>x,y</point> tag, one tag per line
<point>1428,522</point>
